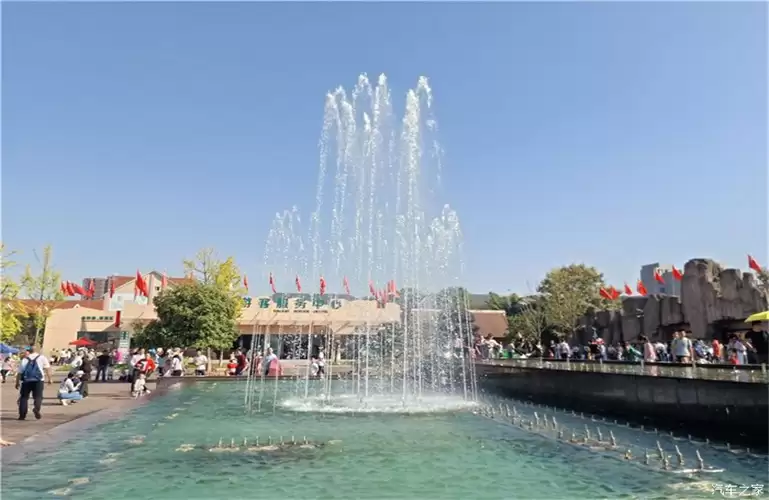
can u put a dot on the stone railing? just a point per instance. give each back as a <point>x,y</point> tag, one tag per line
<point>745,373</point>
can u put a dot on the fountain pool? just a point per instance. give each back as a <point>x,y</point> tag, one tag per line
<point>198,443</point>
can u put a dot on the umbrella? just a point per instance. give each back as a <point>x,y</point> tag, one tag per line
<point>762,316</point>
<point>6,349</point>
<point>82,342</point>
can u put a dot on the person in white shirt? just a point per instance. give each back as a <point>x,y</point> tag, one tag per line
<point>136,364</point>
<point>268,359</point>
<point>69,389</point>
<point>321,362</point>
<point>201,363</point>
<point>140,386</point>
<point>77,361</point>
<point>177,365</point>
<point>33,370</point>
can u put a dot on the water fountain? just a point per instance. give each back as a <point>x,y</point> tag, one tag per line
<point>377,229</point>
<point>376,222</point>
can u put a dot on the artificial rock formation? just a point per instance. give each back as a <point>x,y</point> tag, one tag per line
<point>709,295</point>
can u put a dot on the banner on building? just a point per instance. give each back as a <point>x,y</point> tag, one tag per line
<point>117,301</point>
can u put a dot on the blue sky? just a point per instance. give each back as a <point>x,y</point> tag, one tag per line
<point>614,134</point>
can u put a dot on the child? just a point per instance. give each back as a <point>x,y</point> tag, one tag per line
<point>232,366</point>
<point>140,386</point>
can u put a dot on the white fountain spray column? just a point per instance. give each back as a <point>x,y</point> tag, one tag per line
<point>382,222</point>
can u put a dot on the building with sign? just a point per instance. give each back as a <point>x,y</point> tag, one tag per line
<point>96,319</point>
<point>266,318</point>
<point>289,324</point>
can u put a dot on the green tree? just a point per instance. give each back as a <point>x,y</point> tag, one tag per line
<point>44,289</point>
<point>10,324</point>
<point>530,322</point>
<point>149,335</point>
<point>209,269</point>
<point>568,292</point>
<point>512,304</point>
<point>192,315</point>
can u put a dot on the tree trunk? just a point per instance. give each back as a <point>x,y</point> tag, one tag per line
<point>37,336</point>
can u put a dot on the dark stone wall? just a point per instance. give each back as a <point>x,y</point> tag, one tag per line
<point>735,412</point>
<point>709,295</point>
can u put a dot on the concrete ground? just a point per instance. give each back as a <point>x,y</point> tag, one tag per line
<point>101,395</point>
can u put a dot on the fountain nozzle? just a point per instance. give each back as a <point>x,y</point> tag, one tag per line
<point>680,457</point>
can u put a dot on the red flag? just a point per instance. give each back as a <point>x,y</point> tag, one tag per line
<point>628,290</point>
<point>298,284</point>
<point>112,293</point>
<point>245,282</point>
<point>70,289</point>
<point>141,286</point>
<point>92,288</point>
<point>392,289</point>
<point>163,281</point>
<point>79,290</point>
<point>753,264</point>
<point>384,295</point>
<point>322,285</point>
<point>272,284</point>
<point>640,288</point>
<point>614,293</point>
<point>604,293</point>
<point>658,276</point>
<point>63,288</point>
<point>346,285</point>
<point>117,318</point>
<point>677,275</point>
<point>372,288</point>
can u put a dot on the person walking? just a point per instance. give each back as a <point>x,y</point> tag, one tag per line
<point>87,368</point>
<point>104,360</point>
<point>30,381</point>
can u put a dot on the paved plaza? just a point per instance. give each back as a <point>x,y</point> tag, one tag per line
<point>101,396</point>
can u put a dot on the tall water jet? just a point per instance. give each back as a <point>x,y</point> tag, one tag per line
<point>377,226</point>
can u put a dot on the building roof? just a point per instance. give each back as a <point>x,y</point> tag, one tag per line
<point>119,281</point>
<point>492,323</point>
<point>485,321</point>
<point>124,280</point>
<point>29,305</point>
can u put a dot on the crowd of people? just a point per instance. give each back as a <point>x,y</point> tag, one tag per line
<point>32,369</point>
<point>739,349</point>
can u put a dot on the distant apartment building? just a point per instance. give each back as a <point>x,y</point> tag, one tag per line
<point>671,286</point>
<point>100,286</point>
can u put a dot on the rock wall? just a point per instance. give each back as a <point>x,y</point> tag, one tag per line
<point>709,294</point>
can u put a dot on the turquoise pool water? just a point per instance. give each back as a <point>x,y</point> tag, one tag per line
<point>161,449</point>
